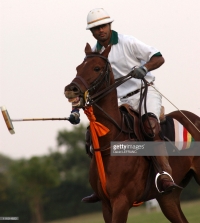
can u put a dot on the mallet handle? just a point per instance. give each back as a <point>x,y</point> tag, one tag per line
<point>38,119</point>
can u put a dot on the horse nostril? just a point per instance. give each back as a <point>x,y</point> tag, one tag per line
<point>74,89</point>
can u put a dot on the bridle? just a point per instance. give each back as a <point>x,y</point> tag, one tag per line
<point>103,77</point>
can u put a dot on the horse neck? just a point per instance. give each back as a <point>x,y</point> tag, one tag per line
<point>109,105</point>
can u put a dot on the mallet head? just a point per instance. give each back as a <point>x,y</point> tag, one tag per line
<point>7,119</point>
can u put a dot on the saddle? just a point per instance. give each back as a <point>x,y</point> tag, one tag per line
<point>170,127</point>
<point>131,119</point>
<point>132,122</point>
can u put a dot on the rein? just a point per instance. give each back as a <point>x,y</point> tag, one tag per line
<point>143,97</point>
<point>104,76</point>
<point>96,97</point>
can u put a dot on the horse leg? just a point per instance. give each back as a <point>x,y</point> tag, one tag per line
<point>107,212</point>
<point>120,207</point>
<point>170,206</point>
<point>196,169</point>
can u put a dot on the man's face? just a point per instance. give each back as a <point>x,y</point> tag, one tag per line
<point>102,33</point>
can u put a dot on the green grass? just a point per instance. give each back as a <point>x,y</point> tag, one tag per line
<point>140,215</point>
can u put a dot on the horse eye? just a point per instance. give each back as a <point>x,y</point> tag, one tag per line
<point>97,69</point>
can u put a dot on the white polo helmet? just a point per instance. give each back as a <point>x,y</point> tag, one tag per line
<point>97,17</point>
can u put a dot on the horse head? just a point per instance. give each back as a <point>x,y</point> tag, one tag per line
<point>93,74</point>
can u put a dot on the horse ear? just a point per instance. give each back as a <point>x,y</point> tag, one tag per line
<point>88,49</point>
<point>106,51</point>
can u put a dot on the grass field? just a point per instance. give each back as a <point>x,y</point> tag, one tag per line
<point>140,215</point>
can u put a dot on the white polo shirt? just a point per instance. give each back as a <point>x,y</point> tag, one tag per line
<point>127,52</point>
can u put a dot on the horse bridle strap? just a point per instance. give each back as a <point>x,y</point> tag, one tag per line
<point>98,55</point>
<point>82,80</point>
<point>107,90</point>
<point>95,97</point>
<point>114,122</point>
<point>102,76</point>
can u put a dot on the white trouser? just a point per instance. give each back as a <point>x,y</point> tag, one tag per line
<point>153,102</point>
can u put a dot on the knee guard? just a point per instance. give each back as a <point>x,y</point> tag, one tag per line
<point>151,128</point>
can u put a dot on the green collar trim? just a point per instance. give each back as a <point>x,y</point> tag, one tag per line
<point>113,40</point>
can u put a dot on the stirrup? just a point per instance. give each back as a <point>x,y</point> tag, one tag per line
<point>156,179</point>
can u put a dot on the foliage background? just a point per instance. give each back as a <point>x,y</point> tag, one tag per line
<point>51,187</point>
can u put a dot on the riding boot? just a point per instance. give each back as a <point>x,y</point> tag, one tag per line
<point>91,199</point>
<point>164,181</point>
<point>88,143</point>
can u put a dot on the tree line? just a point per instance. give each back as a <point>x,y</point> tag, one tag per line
<point>51,187</point>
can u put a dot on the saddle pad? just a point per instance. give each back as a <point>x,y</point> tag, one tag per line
<point>177,133</point>
<point>183,138</point>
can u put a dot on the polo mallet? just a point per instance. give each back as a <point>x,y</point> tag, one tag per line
<point>9,121</point>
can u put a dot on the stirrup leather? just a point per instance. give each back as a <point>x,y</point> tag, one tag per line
<point>156,179</point>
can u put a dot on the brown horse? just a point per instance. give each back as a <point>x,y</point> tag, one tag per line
<point>126,175</point>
